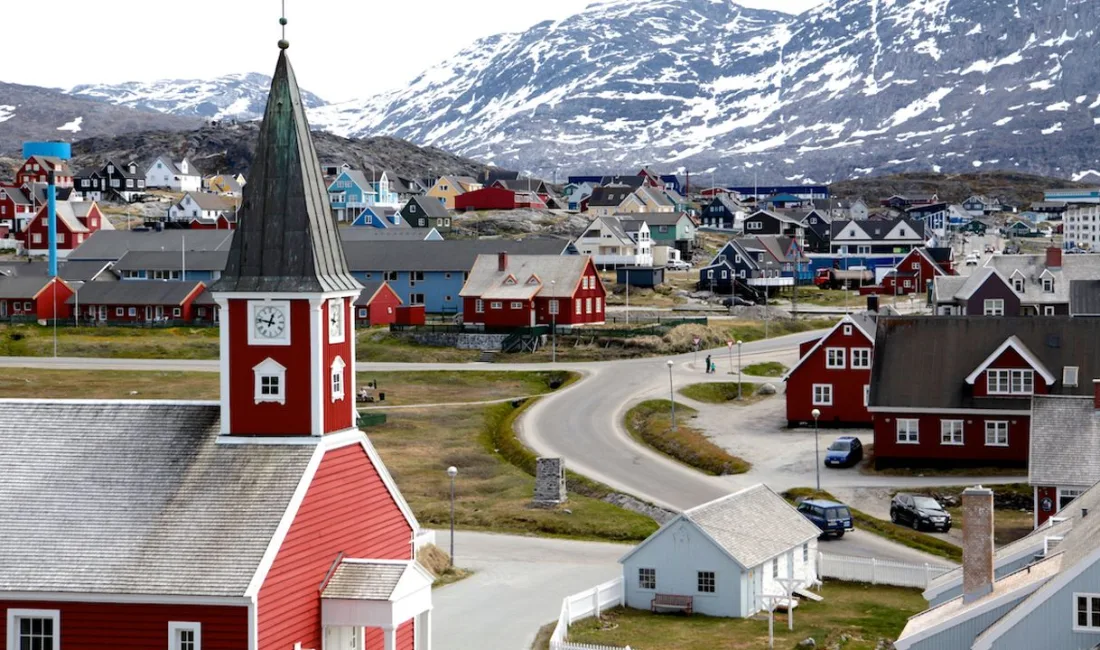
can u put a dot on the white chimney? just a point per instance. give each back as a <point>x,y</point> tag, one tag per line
<point>977,512</point>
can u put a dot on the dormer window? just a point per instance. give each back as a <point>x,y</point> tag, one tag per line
<point>270,381</point>
<point>1048,285</point>
<point>1018,284</point>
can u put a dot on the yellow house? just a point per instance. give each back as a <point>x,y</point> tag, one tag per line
<point>448,187</point>
<point>225,184</point>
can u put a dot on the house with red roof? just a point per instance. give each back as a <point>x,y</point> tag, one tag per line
<point>507,291</point>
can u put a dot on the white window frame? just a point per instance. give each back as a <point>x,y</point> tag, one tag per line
<point>911,431</point>
<point>517,304</point>
<point>14,615</point>
<point>599,305</point>
<point>1070,493</point>
<point>1024,377</point>
<point>863,356</point>
<point>554,307</point>
<point>1048,285</point>
<point>822,395</point>
<point>993,307</point>
<point>269,368</point>
<point>830,364</point>
<point>1048,310</point>
<point>336,379</point>
<point>1090,612</point>
<point>847,330</point>
<point>579,306</point>
<point>641,579</point>
<point>496,305</point>
<point>998,425</point>
<point>699,579</point>
<point>175,627</point>
<point>479,306</point>
<point>805,552</point>
<point>948,431</point>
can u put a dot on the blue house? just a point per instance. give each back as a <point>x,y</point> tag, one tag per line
<point>380,217</point>
<point>352,192</point>
<point>432,273</point>
<point>191,266</point>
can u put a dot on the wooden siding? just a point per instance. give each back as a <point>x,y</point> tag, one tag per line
<point>348,510</point>
<point>92,626</point>
<point>929,449</point>
<point>382,310</point>
<point>1050,625</point>
<point>961,637</point>
<point>848,404</point>
<point>992,289</point>
<point>1010,358</point>
<point>339,414</point>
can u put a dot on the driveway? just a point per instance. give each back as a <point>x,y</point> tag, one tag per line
<point>517,588</point>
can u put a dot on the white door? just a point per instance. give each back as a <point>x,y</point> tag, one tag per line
<point>148,313</point>
<point>343,638</point>
<point>102,313</point>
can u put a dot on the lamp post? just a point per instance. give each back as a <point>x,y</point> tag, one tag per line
<point>553,323</point>
<point>817,453</point>
<point>739,369</point>
<point>671,394</point>
<point>452,471</point>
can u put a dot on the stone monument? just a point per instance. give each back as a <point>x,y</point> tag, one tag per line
<point>550,481</point>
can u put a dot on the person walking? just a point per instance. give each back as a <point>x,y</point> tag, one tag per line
<point>708,369</point>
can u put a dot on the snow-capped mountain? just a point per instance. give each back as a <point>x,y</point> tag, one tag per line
<point>235,96</point>
<point>851,88</point>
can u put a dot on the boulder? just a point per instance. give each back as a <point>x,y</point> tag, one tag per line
<point>766,389</point>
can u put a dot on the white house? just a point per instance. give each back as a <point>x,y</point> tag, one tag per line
<point>182,176</point>
<point>204,208</point>
<point>727,555</point>
<point>613,242</point>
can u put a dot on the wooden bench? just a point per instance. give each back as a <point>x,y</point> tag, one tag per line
<point>668,601</point>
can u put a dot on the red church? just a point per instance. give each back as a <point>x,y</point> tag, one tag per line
<point>508,291</point>
<point>265,520</point>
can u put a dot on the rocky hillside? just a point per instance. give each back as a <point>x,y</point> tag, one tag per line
<point>1009,186</point>
<point>228,148</point>
<point>235,96</point>
<point>850,89</point>
<point>33,113</point>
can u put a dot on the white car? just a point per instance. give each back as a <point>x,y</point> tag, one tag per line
<point>972,259</point>
<point>678,265</point>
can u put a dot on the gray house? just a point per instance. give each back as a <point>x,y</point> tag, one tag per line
<point>1052,603</point>
<point>727,555</point>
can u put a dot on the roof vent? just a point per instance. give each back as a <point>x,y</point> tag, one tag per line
<point>1051,543</point>
<point>1054,341</point>
<point>1069,376</point>
<point>1084,512</point>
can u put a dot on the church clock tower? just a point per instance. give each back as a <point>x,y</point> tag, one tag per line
<point>286,296</point>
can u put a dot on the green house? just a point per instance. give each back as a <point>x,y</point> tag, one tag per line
<point>675,229</point>
<point>976,227</point>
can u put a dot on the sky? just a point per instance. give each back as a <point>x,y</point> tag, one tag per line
<point>341,49</point>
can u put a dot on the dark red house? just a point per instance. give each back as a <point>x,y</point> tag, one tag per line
<point>913,274</point>
<point>15,207</point>
<point>985,292</point>
<point>956,390</point>
<point>505,291</point>
<point>36,169</point>
<point>264,520</point>
<point>377,305</point>
<point>33,298</point>
<point>833,375</point>
<point>76,222</point>
<point>487,198</point>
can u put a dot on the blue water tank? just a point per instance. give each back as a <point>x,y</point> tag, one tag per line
<point>62,150</point>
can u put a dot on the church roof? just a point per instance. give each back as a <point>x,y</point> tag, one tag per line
<point>287,240</point>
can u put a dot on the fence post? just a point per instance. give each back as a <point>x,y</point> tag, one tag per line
<point>596,601</point>
<point>568,613</point>
<point>873,564</point>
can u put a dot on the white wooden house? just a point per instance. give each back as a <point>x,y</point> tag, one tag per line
<point>613,242</point>
<point>728,555</point>
<point>181,176</point>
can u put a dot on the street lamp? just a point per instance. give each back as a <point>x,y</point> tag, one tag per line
<point>553,324</point>
<point>817,454</point>
<point>452,471</point>
<point>738,369</point>
<point>671,394</point>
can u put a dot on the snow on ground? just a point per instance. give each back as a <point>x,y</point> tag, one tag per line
<point>6,112</point>
<point>1003,121</point>
<point>73,126</point>
<point>1060,106</point>
<point>1053,129</point>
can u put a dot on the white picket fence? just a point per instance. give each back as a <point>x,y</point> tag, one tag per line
<point>877,572</point>
<point>583,605</point>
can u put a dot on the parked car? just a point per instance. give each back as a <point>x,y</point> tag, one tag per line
<point>989,248</point>
<point>678,265</point>
<point>846,451</point>
<point>1012,250</point>
<point>737,301</point>
<point>972,259</point>
<point>831,517</point>
<point>919,512</point>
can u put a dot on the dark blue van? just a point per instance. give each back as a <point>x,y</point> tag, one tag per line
<point>831,517</point>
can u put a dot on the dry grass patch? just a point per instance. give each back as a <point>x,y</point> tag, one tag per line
<point>436,560</point>
<point>454,386</point>
<point>651,423</point>
<point>863,613</point>
<point>108,384</point>
<point>110,342</point>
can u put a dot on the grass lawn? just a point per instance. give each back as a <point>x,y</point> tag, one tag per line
<point>765,369</point>
<point>420,387</point>
<point>883,528</point>
<point>491,494</point>
<point>110,342</point>
<point>823,297</point>
<point>379,345</point>
<point>864,613</point>
<point>722,393</point>
<point>650,423</point>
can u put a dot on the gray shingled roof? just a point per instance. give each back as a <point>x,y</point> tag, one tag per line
<point>172,261</point>
<point>364,580</point>
<point>287,239</point>
<point>924,361</point>
<point>370,288</point>
<point>1065,440</point>
<point>456,255</point>
<point>134,292</point>
<point>487,281</point>
<point>430,207</point>
<point>135,498</point>
<point>398,233</point>
<point>22,287</point>
<point>1084,297</point>
<point>653,218</point>
<point>210,202</point>
<point>610,196</point>
<point>753,525</point>
<point>111,245</point>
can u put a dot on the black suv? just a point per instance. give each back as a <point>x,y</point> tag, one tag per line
<point>919,512</point>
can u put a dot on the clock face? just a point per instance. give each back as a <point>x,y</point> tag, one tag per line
<point>336,320</point>
<point>270,322</point>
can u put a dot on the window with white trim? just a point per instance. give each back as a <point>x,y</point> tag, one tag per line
<point>184,636</point>
<point>908,431</point>
<point>1087,612</point>
<point>496,305</point>
<point>1067,495</point>
<point>1048,310</point>
<point>554,307</point>
<point>861,358</point>
<point>270,382</point>
<point>1010,382</point>
<point>823,395</point>
<point>517,304</point>
<point>479,306</point>
<point>806,553</point>
<point>337,382</point>
<point>647,578</point>
<point>579,305</point>
<point>866,396</point>
<point>996,433</point>
<point>847,330</point>
<point>775,568</point>
<point>1048,285</point>
<point>993,307</point>
<point>34,629</point>
<point>588,305</point>
<point>834,358</point>
<point>951,432</point>
<point>599,304</point>
<point>1018,284</point>
<point>706,582</point>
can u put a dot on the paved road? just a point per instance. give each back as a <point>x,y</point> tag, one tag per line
<point>517,588</point>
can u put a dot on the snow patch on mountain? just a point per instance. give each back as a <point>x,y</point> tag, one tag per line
<point>73,126</point>
<point>6,112</point>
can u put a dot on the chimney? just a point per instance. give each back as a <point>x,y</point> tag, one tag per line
<point>1054,257</point>
<point>977,513</point>
<point>872,303</point>
<point>1096,394</point>
<point>502,261</point>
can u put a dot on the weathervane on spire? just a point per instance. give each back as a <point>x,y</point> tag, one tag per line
<point>283,43</point>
